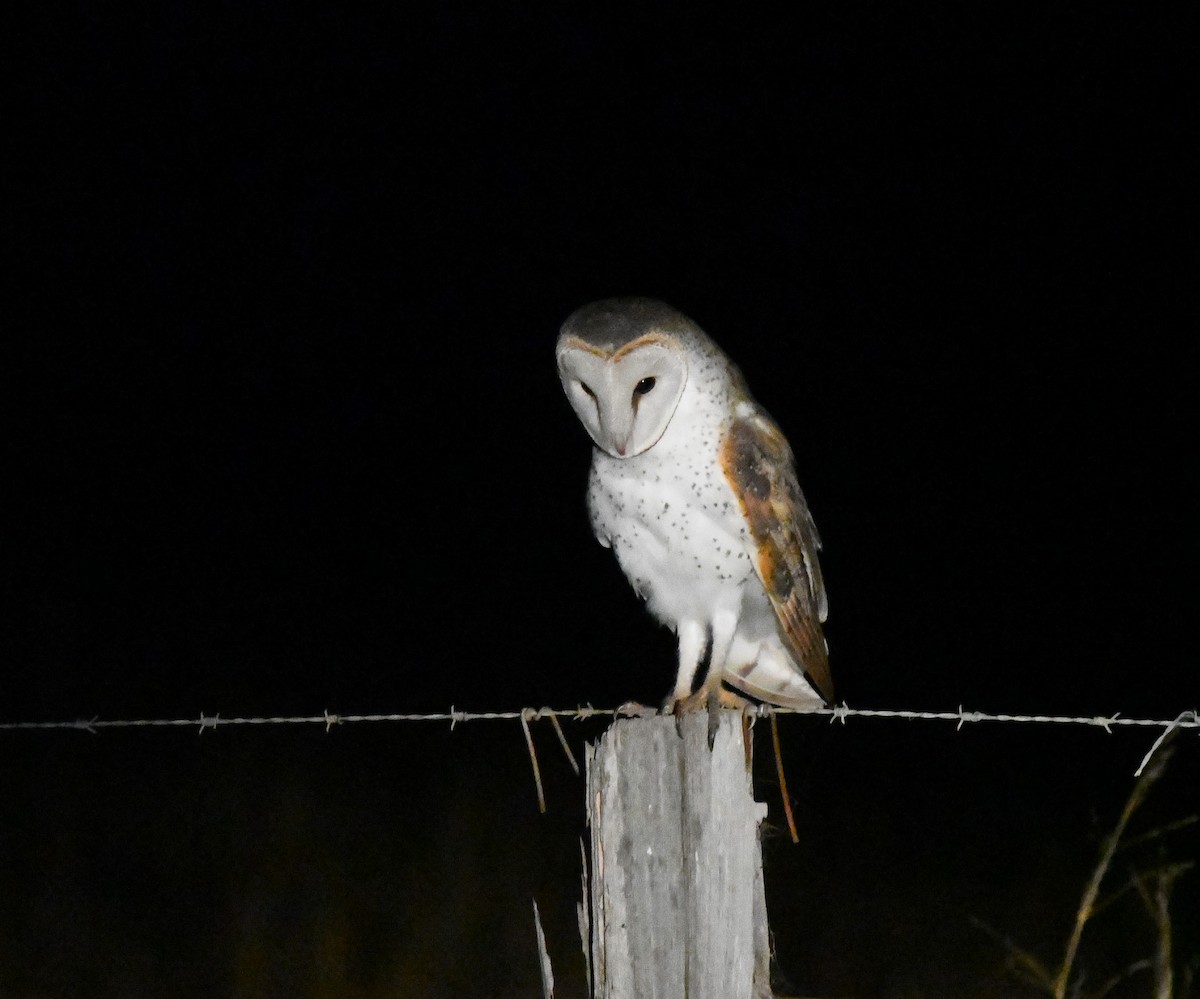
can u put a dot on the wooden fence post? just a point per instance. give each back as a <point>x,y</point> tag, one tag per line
<point>677,908</point>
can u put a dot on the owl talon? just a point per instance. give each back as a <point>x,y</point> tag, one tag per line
<point>672,705</point>
<point>632,709</point>
<point>714,714</point>
<point>721,698</point>
<point>680,706</point>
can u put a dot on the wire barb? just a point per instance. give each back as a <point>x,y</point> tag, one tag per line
<point>966,716</point>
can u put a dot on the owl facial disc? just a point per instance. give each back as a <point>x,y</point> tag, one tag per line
<point>624,398</point>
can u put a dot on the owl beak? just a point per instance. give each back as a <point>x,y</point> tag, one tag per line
<point>618,428</point>
<point>619,432</point>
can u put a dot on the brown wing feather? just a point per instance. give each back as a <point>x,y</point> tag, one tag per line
<point>760,467</point>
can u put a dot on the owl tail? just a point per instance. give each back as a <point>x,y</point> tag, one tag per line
<point>769,675</point>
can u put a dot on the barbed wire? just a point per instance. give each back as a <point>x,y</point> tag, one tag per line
<point>1186,719</point>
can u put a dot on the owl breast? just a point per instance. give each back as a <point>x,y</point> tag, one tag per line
<point>676,528</point>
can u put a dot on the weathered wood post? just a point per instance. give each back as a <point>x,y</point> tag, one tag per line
<point>677,909</point>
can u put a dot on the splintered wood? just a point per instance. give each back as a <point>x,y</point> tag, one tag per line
<point>677,902</point>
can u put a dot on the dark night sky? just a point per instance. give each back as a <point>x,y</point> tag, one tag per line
<point>285,432</point>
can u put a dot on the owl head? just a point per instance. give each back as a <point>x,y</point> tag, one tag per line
<point>623,364</point>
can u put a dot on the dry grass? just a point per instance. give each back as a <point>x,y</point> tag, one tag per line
<point>1151,882</point>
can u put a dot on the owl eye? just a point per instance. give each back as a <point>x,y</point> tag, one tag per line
<point>588,389</point>
<point>644,386</point>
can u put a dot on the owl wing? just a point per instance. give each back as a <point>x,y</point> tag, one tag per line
<point>759,466</point>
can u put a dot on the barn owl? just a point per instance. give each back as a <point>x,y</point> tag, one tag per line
<point>693,487</point>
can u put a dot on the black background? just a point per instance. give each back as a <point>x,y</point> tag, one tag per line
<point>285,435</point>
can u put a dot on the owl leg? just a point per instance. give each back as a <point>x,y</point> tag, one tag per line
<point>724,629</point>
<point>693,639</point>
